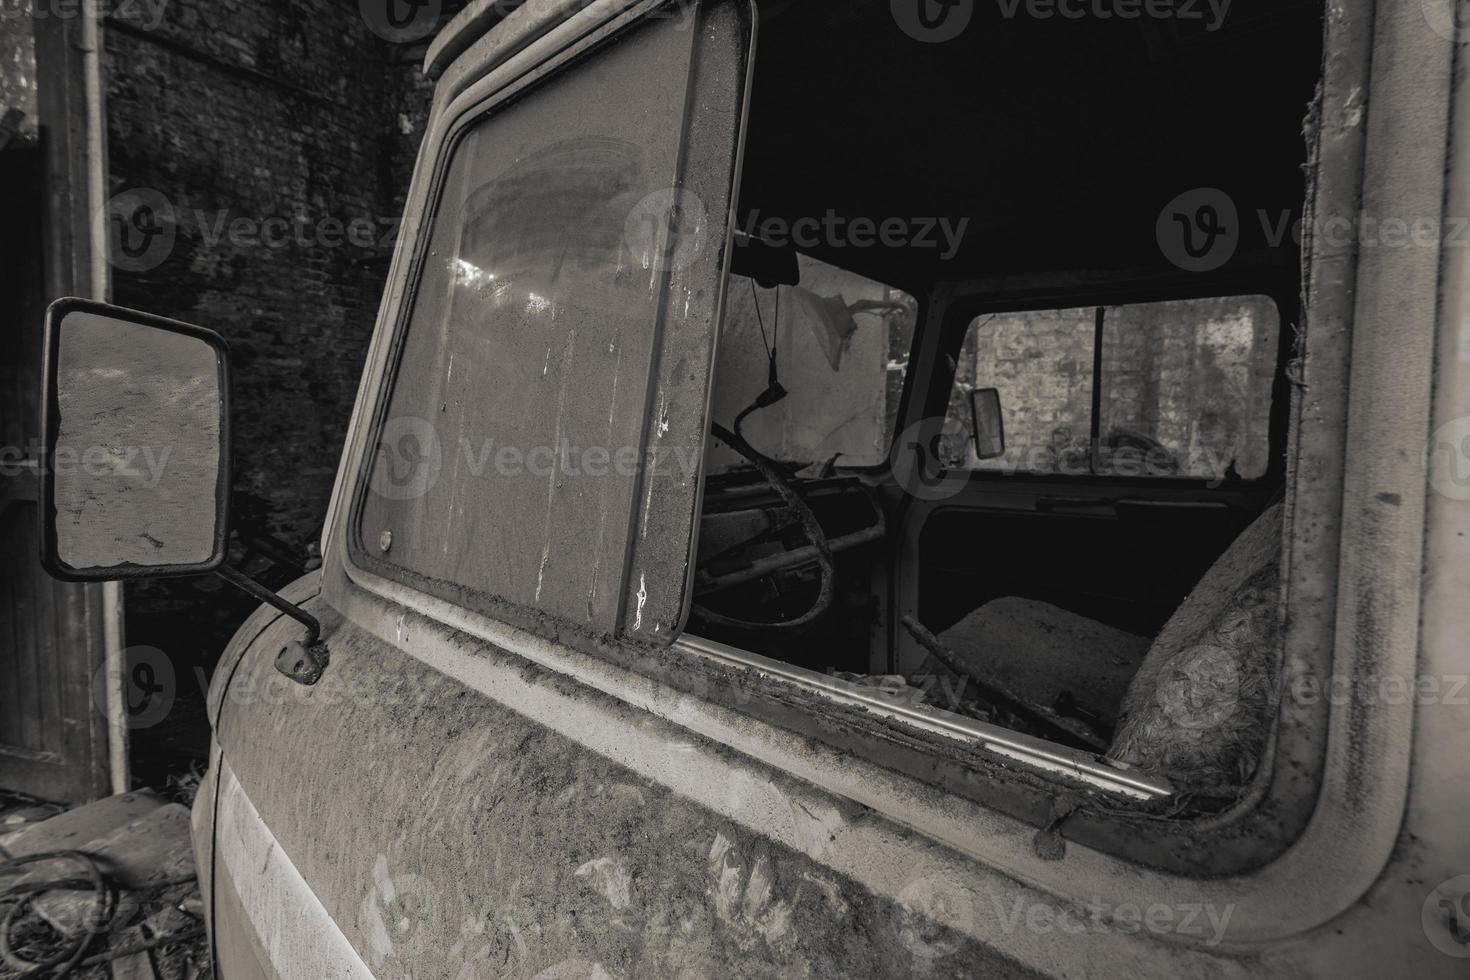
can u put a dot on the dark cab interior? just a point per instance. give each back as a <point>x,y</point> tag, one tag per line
<point>1008,438</point>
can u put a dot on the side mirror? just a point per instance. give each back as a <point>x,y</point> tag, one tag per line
<point>987,423</point>
<point>135,477</point>
<point>135,480</point>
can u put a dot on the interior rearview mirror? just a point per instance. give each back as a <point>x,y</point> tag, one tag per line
<point>135,478</point>
<point>987,423</point>
<point>769,265</point>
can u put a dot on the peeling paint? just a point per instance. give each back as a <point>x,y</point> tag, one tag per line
<point>1353,108</point>
<point>647,505</point>
<point>642,598</point>
<point>561,408</point>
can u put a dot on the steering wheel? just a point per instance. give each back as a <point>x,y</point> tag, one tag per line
<point>809,525</point>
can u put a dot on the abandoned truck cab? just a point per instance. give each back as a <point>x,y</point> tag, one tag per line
<point>842,492</point>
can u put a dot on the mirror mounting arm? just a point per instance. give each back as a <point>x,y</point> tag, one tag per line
<point>304,662</point>
<point>247,584</point>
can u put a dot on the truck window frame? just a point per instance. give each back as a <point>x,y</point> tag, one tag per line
<point>1296,778</point>
<point>1022,776</point>
<point>693,148</point>
<point>1025,773</point>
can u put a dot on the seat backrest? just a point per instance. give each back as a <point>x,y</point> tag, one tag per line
<point>1200,708</point>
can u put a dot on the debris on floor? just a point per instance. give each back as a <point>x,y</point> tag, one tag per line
<point>1035,649</point>
<point>1016,711</point>
<point>106,890</point>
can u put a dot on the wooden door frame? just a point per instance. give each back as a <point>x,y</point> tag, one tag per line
<point>85,640</point>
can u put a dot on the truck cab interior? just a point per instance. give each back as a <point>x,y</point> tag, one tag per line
<point>1003,385</point>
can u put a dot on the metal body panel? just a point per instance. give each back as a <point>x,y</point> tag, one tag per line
<point>510,844</point>
<point>511,32</point>
<point>532,807</point>
<point>281,925</point>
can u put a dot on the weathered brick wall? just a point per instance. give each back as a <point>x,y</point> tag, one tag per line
<point>272,132</point>
<point>1042,364</point>
<point>1196,377</point>
<point>262,150</point>
<point>18,67</point>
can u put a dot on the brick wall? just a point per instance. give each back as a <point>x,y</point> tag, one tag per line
<point>267,146</point>
<point>1197,377</point>
<point>18,67</point>
<point>268,129</point>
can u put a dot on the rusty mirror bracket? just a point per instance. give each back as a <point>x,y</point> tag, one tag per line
<point>303,662</point>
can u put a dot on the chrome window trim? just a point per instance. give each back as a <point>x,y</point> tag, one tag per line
<point>1044,756</point>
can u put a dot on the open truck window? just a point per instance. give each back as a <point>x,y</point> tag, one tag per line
<point>1169,677</point>
<point>1081,571</point>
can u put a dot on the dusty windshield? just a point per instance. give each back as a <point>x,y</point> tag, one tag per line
<point>840,343</point>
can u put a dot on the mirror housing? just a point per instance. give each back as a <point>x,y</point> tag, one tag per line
<point>768,265</point>
<point>135,473</point>
<point>987,424</point>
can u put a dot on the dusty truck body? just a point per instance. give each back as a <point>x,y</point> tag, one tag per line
<point>677,710</point>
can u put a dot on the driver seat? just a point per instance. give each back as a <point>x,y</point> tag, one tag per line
<point>1201,706</point>
<point>1196,703</point>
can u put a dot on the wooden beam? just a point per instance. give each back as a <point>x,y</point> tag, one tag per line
<point>72,158</point>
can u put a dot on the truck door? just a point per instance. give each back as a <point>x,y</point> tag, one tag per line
<point>521,470</point>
